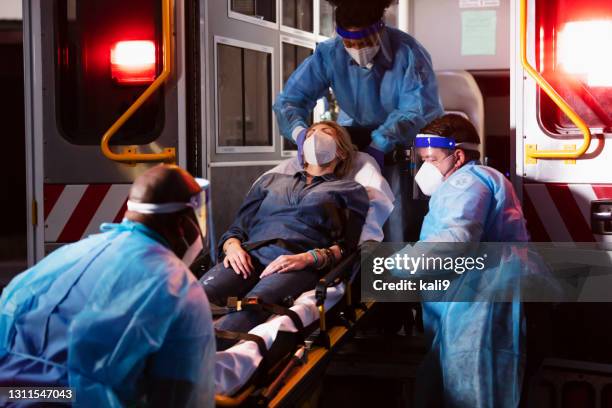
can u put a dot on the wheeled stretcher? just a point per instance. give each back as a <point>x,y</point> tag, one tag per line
<point>277,361</point>
<point>274,364</point>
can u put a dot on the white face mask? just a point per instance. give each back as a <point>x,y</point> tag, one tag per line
<point>429,177</point>
<point>193,251</point>
<point>363,56</point>
<point>319,149</point>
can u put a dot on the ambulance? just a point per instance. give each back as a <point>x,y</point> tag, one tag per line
<point>113,87</point>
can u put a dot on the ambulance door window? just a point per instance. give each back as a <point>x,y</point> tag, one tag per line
<point>293,54</point>
<point>261,12</point>
<point>572,52</point>
<point>298,14</point>
<point>98,43</point>
<point>244,96</point>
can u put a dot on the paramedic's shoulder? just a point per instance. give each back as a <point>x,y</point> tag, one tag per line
<point>406,47</point>
<point>492,178</point>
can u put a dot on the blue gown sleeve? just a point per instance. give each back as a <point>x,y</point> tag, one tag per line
<point>458,211</point>
<point>188,351</point>
<point>240,227</point>
<point>418,104</point>
<point>306,85</point>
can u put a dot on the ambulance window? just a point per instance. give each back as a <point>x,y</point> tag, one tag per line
<point>255,11</point>
<point>244,95</point>
<point>293,55</point>
<point>572,39</point>
<point>88,98</point>
<point>298,14</point>
<point>326,19</point>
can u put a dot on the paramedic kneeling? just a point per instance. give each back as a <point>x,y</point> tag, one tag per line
<point>476,354</point>
<point>118,316</point>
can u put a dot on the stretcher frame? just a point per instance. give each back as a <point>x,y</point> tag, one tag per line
<point>325,342</point>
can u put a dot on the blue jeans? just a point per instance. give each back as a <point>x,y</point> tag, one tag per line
<point>220,283</point>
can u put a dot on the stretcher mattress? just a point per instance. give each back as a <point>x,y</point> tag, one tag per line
<point>236,365</point>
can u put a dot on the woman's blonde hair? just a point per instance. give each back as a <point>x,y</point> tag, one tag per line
<point>346,149</point>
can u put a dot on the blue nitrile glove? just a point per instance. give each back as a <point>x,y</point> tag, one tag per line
<point>377,155</point>
<point>299,141</point>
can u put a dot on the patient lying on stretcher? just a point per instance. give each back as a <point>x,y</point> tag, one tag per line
<point>289,228</point>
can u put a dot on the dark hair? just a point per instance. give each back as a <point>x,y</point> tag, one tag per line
<point>359,13</point>
<point>457,127</point>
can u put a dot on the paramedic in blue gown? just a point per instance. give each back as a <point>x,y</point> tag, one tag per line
<point>476,352</point>
<point>289,229</point>
<point>385,86</point>
<point>118,316</point>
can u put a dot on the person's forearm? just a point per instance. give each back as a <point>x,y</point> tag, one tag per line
<point>230,242</point>
<point>324,257</point>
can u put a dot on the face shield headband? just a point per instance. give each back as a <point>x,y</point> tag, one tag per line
<point>197,203</point>
<point>361,34</point>
<point>441,142</point>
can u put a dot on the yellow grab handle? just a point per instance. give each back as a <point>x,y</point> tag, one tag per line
<point>531,151</point>
<point>169,155</point>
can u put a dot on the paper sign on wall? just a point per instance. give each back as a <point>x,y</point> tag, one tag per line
<point>478,32</point>
<point>478,3</point>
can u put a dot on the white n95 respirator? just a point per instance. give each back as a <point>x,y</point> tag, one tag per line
<point>319,149</point>
<point>363,56</point>
<point>429,178</point>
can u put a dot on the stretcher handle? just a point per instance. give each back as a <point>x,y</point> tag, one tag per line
<point>296,360</point>
<point>338,273</point>
<point>169,155</point>
<point>532,151</point>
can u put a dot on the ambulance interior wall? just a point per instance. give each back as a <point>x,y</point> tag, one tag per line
<point>10,10</point>
<point>12,166</point>
<point>449,42</point>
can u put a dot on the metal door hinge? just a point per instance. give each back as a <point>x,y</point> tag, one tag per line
<point>34,213</point>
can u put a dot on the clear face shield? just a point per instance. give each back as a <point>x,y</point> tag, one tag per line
<point>435,160</point>
<point>200,203</point>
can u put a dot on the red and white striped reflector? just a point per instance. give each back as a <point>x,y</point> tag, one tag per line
<point>562,212</point>
<point>73,211</point>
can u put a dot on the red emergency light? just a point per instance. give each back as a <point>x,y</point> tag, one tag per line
<point>133,62</point>
<point>583,49</point>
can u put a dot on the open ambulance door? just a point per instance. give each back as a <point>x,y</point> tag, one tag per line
<point>105,100</point>
<point>562,113</point>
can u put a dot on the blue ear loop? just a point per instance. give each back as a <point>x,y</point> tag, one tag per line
<point>361,34</point>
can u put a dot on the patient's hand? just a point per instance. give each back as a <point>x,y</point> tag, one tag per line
<point>288,263</point>
<point>239,259</point>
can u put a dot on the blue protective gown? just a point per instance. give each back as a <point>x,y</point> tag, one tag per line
<point>397,97</point>
<point>476,348</point>
<point>105,315</point>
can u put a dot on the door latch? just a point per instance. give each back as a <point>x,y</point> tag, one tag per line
<point>601,217</point>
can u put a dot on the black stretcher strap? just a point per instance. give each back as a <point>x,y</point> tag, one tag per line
<point>236,336</point>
